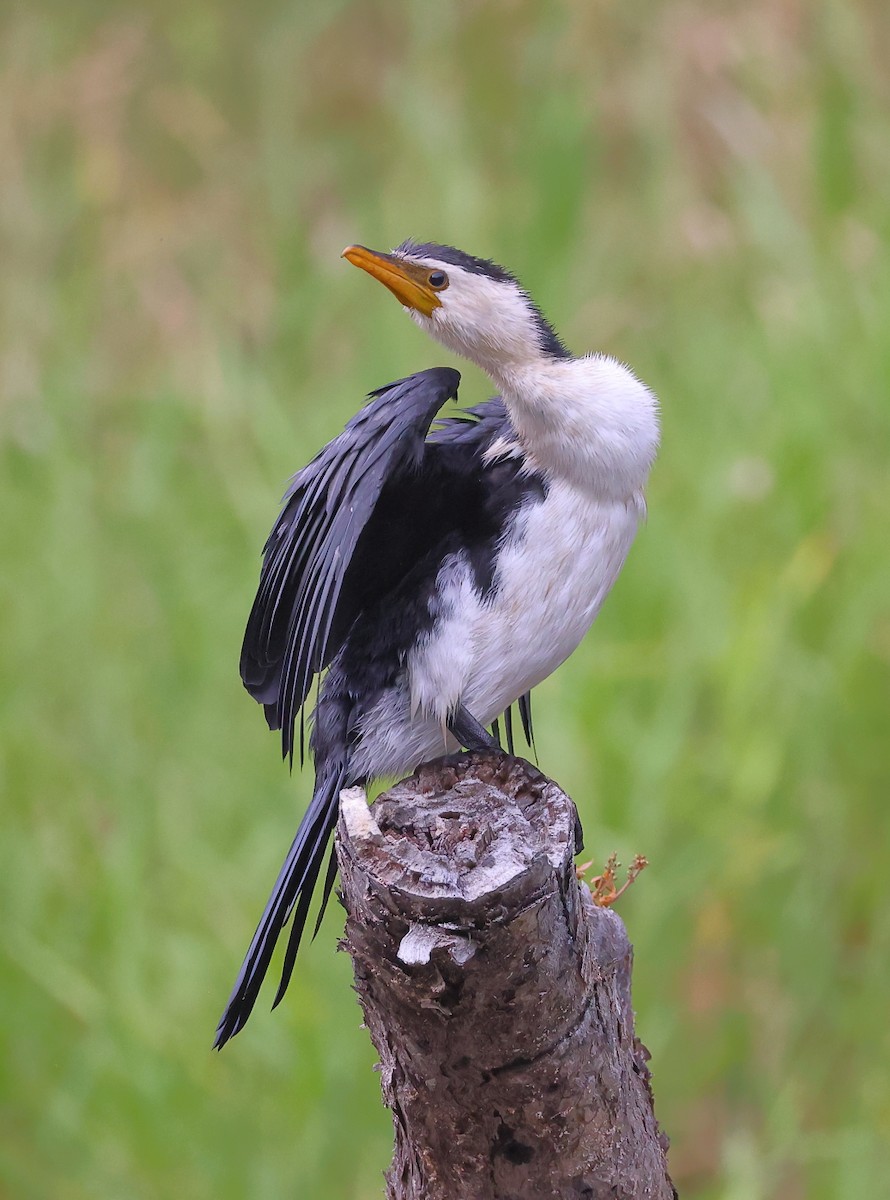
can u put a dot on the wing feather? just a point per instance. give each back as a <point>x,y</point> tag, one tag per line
<point>311,546</point>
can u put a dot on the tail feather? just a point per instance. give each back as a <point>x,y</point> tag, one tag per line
<point>301,912</point>
<point>326,890</point>
<point>291,895</point>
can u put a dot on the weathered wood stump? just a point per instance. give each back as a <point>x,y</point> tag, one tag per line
<point>496,993</point>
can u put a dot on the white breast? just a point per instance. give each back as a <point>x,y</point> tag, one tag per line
<point>554,572</point>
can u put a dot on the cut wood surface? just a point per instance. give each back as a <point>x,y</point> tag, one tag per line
<point>496,993</point>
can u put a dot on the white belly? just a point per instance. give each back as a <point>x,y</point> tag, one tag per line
<point>554,572</point>
<point>553,577</point>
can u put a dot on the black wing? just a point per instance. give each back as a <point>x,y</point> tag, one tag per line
<point>307,556</point>
<point>477,427</point>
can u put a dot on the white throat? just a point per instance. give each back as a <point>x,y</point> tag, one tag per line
<point>586,420</point>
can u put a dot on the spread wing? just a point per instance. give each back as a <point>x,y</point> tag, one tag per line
<point>410,490</point>
<point>361,536</point>
<point>309,551</point>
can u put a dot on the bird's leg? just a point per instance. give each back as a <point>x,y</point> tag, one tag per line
<point>469,732</point>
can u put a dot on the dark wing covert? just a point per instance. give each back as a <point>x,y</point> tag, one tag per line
<point>308,553</point>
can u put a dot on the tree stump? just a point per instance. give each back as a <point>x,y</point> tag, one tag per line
<point>496,993</point>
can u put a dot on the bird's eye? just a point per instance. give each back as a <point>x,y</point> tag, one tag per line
<point>438,280</point>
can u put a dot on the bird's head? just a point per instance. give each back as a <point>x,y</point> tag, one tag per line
<point>471,305</point>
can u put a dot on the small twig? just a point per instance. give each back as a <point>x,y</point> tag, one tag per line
<point>603,891</point>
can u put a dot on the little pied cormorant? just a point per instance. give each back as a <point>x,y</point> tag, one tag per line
<point>437,575</point>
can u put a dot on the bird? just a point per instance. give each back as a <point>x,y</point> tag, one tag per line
<point>428,572</point>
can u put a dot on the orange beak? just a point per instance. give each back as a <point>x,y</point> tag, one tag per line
<point>408,282</point>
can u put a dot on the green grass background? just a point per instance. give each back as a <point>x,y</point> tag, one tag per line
<point>700,189</point>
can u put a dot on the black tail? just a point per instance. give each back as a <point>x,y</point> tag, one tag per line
<point>292,894</point>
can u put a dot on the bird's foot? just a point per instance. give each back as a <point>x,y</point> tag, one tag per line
<point>603,889</point>
<point>472,735</point>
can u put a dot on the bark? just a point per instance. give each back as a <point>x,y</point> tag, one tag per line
<point>496,993</point>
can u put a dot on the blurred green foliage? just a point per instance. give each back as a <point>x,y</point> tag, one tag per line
<point>699,189</point>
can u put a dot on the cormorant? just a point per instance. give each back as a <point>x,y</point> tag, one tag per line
<point>435,575</point>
